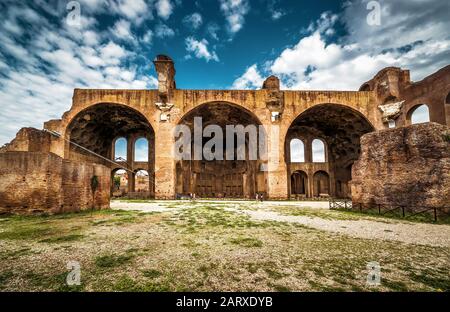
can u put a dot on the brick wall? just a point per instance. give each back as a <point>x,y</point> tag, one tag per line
<point>36,182</point>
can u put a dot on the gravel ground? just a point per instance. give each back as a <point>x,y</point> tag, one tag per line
<point>410,233</point>
<point>403,231</point>
<point>221,246</point>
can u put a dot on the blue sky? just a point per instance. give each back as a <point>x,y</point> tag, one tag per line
<point>216,44</point>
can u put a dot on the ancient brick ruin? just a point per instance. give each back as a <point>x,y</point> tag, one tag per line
<point>313,154</point>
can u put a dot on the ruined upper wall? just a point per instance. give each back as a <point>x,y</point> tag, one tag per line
<point>397,95</point>
<point>29,140</point>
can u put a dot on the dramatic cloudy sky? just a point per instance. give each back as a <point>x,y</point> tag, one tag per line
<point>45,53</point>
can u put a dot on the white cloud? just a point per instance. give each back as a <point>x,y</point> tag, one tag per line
<point>249,80</point>
<point>193,20</point>
<point>148,37</point>
<point>135,10</point>
<point>276,15</point>
<point>408,37</point>
<point>274,9</point>
<point>90,38</point>
<point>39,75</point>
<point>112,53</point>
<point>164,8</point>
<point>163,31</point>
<point>234,11</point>
<point>212,30</point>
<point>122,29</point>
<point>200,49</point>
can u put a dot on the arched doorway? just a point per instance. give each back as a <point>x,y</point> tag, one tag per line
<point>119,183</point>
<point>331,133</point>
<point>142,181</point>
<point>218,176</point>
<point>108,131</point>
<point>299,184</point>
<point>321,184</point>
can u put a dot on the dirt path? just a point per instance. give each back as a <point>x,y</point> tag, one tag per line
<point>407,232</point>
<point>411,233</point>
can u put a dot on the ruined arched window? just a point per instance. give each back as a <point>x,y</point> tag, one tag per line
<point>141,181</point>
<point>318,151</point>
<point>447,99</point>
<point>141,150</point>
<point>420,114</point>
<point>297,149</point>
<point>120,149</point>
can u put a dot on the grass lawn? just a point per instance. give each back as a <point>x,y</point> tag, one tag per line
<point>207,247</point>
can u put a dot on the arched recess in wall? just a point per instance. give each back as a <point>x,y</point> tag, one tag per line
<point>120,149</point>
<point>141,150</point>
<point>318,151</point>
<point>97,129</point>
<point>340,128</point>
<point>447,99</point>
<point>321,184</point>
<point>419,114</point>
<point>299,183</point>
<point>211,177</point>
<point>297,151</point>
<point>119,183</point>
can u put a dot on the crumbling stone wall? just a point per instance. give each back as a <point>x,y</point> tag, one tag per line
<point>76,186</point>
<point>39,182</point>
<point>30,140</point>
<point>407,166</point>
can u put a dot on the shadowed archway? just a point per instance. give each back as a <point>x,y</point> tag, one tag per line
<point>339,128</point>
<point>221,178</point>
<point>100,127</point>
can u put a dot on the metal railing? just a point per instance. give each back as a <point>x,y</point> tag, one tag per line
<point>400,210</point>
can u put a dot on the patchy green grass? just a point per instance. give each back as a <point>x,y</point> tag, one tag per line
<point>151,273</point>
<point>110,261</point>
<point>207,247</point>
<point>246,242</point>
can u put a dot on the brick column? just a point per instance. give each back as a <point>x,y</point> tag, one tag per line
<point>164,162</point>
<point>276,165</point>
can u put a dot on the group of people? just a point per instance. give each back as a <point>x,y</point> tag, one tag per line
<point>259,197</point>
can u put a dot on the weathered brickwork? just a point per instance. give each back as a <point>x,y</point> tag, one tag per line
<point>407,166</point>
<point>36,182</point>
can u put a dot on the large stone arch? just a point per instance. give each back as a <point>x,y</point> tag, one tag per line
<point>96,127</point>
<point>221,178</point>
<point>340,127</point>
<point>128,119</point>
